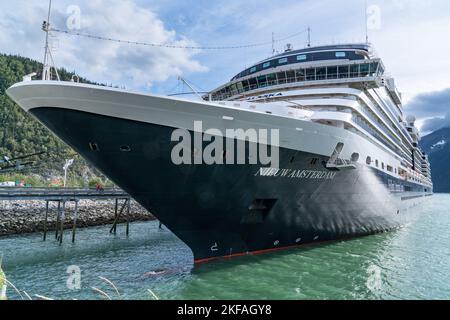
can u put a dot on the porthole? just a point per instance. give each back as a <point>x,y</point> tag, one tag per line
<point>93,146</point>
<point>369,160</point>
<point>355,157</point>
<point>125,148</point>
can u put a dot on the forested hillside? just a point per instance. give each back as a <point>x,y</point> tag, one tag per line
<point>21,134</point>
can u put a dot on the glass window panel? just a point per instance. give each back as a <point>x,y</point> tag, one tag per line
<point>300,75</point>
<point>290,75</point>
<point>262,81</point>
<point>283,61</point>
<point>252,83</point>
<point>310,74</point>
<point>332,72</point>
<point>272,79</point>
<point>340,55</point>
<point>233,89</point>
<point>321,73</point>
<point>343,72</point>
<point>373,68</point>
<point>301,57</point>
<point>364,68</point>
<point>354,71</point>
<point>281,77</point>
<point>253,69</point>
<point>266,65</point>
<point>245,84</point>
<point>240,87</point>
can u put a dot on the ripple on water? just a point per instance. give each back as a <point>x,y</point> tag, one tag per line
<point>414,263</point>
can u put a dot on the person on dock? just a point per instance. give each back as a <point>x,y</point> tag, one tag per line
<point>99,187</point>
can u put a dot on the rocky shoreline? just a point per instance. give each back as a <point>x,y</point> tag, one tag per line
<point>20,217</point>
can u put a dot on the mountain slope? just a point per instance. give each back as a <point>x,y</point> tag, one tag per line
<point>21,134</point>
<point>437,146</point>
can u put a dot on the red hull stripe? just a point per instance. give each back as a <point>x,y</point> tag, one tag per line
<point>254,253</point>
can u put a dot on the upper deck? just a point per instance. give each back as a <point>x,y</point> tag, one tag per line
<point>322,53</point>
<point>325,64</point>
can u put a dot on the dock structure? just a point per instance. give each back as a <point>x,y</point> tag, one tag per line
<point>62,196</point>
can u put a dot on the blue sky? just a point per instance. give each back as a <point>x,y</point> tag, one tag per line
<point>410,35</point>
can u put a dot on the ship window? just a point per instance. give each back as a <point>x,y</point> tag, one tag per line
<point>245,85</point>
<point>369,160</point>
<point>253,70</point>
<point>262,81</point>
<point>364,70</point>
<point>382,165</point>
<point>272,79</point>
<point>266,65</point>
<point>376,163</point>
<point>300,75</point>
<point>354,71</point>
<point>310,74</point>
<point>283,60</point>
<point>343,72</point>
<point>125,148</point>
<point>233,89</point>
<point>321,73</point>
<point>355,157</point>
<point>290,75</point>
<point>373,68</point>
<point>332,72</point>
<point>94,147</point>
<point>240,87</point>
<point>281,77</point>
<point>252,83</point>
<point>340,54</point>
<point>301,57</point>
<point>390,169</point>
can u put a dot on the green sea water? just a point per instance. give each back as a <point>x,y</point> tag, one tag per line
<point>411,263</point>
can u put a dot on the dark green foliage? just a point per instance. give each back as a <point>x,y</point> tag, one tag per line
<point>21,134</point>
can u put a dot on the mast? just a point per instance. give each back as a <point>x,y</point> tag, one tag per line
<point>48,57</point>
<point>367,23</point>
<point>46,74</point>
<point>309,37</point>
<point>273,43</point>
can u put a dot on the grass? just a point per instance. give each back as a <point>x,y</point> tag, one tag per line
<point>25,296</point>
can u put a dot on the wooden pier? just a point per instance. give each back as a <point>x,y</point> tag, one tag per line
<point>64,195</point>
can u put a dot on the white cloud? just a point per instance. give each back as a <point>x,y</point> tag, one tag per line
<point>102,61</point>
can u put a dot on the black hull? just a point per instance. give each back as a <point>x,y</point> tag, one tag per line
<point>229,210</point>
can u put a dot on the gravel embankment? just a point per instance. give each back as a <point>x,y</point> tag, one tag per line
<point>19,217</point>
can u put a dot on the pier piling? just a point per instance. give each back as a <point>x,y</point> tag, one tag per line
<point>46,219</point>
<point>62,197</point>
<point>62,219</point>
<point>75,216</point>
<point>128,217</point>
<point>58,216</point>
<point>117,214</point>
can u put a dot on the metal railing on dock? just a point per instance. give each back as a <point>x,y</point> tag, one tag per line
<point>14,194</point>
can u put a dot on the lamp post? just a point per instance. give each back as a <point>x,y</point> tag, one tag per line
<point>66,167</point>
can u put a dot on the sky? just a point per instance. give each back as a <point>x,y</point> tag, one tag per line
<point>411,36</point>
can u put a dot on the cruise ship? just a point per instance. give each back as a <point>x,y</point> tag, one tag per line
<point>348,162</point>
